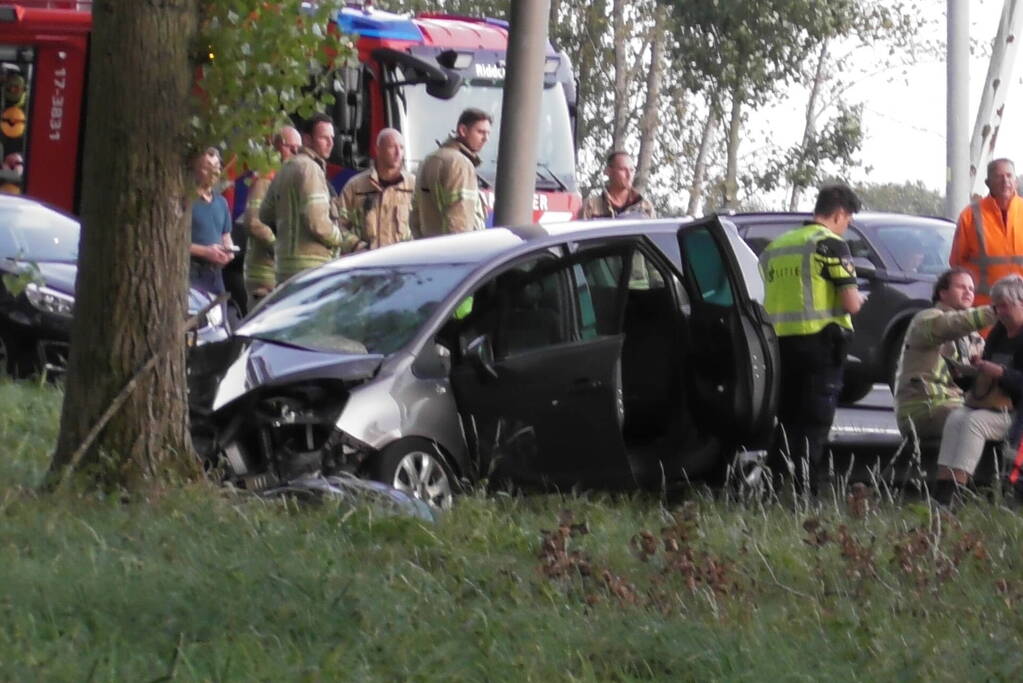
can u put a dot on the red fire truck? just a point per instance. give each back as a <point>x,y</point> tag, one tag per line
<point>415,74</point>
<point>43,57</point>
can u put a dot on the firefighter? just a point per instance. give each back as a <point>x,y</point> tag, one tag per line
<point>298,206</point>
<point>375,205</point>
<point>940,343</point>
<point>260,267</point>
<point>618,197</point>
<point>989,233</point>
<point>448,197</point>
<point>810,293</point>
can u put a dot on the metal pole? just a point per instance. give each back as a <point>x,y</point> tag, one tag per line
<point>991,112</point>
<point>957,168</point>
<point>520,113</point>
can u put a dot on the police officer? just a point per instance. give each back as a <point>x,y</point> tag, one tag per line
<point>810,284</point>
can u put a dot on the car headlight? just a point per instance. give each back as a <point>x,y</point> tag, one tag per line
<point>50,300</point>
<point>215,316</point>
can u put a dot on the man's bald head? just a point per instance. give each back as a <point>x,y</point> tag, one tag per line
<point>287,141</point>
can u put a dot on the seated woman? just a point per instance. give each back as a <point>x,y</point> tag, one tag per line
<point>986,414</point>
<point>939,340</point>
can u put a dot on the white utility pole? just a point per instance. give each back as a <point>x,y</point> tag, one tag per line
<point>957,156</point>
<point>996,90</point>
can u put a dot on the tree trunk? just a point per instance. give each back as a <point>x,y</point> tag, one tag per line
<point>620,118</point>
<point>810,127</point>
<point>132,268</point>
<point>731,200</point>
<point>700,165</point>
<point>648,126</point>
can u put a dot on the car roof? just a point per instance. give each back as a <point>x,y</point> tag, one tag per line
<point>863,218</point>
<point>484,245</point>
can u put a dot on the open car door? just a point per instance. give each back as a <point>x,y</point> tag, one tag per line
<point>734,347</point>
<point>539,398</point>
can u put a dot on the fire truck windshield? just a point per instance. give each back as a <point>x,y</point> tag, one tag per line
<point>430,121</point>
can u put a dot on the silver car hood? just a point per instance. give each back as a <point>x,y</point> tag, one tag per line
<point>262,363</point>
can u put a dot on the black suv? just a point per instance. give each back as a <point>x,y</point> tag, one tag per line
<point>898,258</point>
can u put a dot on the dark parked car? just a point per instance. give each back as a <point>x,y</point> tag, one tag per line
<point>38,263</point>
<point>898,258</point>
<point>613,354</point>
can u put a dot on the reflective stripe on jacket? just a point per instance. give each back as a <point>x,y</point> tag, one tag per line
<point>447,193</point>
<point>923,380</point>
<point>987,245</point>
<point>297,205</point>
<point>798,298</point>
<point>374,216</point>
<point>260,269</point>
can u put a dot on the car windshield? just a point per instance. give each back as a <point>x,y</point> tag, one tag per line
<point>918,249</point>
<point>359,311</point>
<point>432,120</point>
<point>32,232</point>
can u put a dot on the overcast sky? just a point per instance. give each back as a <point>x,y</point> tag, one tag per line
<point>904,109</point>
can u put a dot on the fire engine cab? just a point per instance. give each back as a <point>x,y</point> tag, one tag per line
<point>417,74</point>
<point>43,63</point>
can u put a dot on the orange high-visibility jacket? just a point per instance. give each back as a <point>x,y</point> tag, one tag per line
<point>985,245</point>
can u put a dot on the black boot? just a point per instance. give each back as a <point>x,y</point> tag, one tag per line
<point>944,491</point>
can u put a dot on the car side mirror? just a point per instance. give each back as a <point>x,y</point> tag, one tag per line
<point>864,268</point>
<point>481,354</point>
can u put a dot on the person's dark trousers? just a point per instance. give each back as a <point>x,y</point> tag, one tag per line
<point>811,380</point>
<point>205,276</point>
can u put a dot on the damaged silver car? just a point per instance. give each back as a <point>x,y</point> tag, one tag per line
<point>624,354</point>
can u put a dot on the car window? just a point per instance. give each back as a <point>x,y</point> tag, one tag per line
<point>358,311</point>
<point>598,279</point>
<point>858,246</point>
<point>918,249</point>
<point>36,233</point>
<point>707,268</point>
<point>759,236</point>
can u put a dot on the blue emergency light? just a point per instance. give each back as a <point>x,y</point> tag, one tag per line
<point>377,24</point>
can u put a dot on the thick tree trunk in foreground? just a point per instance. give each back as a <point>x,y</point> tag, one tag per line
<point>132,274</point>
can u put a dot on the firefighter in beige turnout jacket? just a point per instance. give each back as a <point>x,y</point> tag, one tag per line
<point>260,266</point>
<point>298,204</point>
<point>375,205</point>
<point>447,197</point>
<point>925,390</point>
<point>618,196</point>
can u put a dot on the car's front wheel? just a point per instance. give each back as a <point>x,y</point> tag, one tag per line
<point>13,357</point>
<point>416,467</point>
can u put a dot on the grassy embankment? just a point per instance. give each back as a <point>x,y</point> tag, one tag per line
<point>199,585</point>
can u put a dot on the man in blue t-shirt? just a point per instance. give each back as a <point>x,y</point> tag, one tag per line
<point>211,247</point>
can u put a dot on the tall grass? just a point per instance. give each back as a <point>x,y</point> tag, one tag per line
<point>201,584</point>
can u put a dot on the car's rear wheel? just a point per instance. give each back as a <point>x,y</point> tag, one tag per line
<point>416,467</point>
<point>854,389</point>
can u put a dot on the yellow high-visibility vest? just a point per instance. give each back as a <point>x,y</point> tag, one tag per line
<point>798,298</point>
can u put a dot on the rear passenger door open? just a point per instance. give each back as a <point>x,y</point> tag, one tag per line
<point>734,359</point>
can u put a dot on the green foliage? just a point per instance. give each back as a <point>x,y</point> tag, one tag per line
<point>830,152</point>
<point>752,48</point>
<point>207,585</point>
<point>259,62</point>
<point>907,197</point>
<point>16,283</point>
